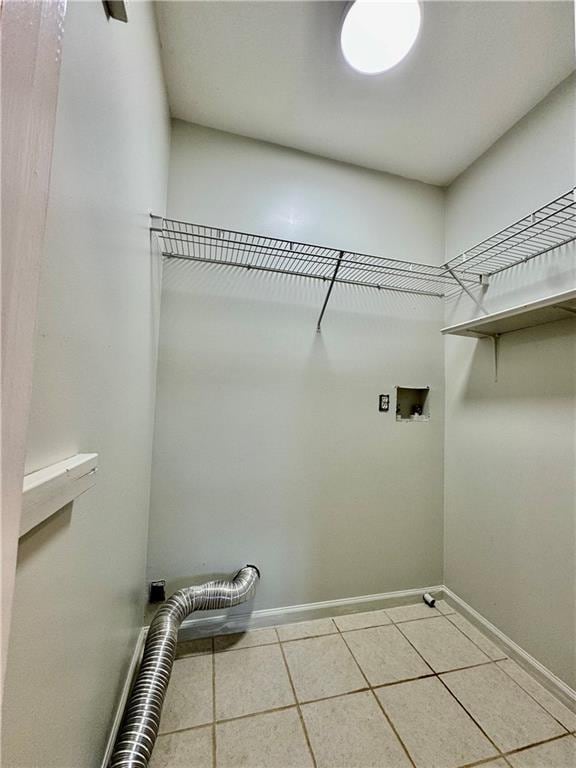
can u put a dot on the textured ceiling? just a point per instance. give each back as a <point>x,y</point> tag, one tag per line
<point>274,71</point>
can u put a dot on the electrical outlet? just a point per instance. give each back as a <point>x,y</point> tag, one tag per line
<point>157,591</point>
<point>384,403</point>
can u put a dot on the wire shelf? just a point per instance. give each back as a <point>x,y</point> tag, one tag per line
<point>542,231</point>
<point>196,242</point>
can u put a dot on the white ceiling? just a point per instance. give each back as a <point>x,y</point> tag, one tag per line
<point>274,71</point>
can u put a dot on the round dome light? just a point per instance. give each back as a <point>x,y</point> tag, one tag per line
<point>377,35</point>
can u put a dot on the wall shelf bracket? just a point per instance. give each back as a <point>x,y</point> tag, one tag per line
<point>47,490</point>
<point>495,349</point>
<point>330,287</point>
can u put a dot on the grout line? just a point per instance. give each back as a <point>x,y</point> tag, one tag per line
<point>533,697</point>
<point>307,637</point>
<point>454,696</point>
<point>483,761</point>
<point>225,720</point>
<point>404,680</point>
<point>365,689</point>
<point>368,626</point>
<point>506,658</point>
<point>298,707</point>
<point>256,714</point>
<point>213,704</point>
<point>339,696</point>
<point>471,716</point>
<point>474,641</point>
<point>419,618</point>
<point>244,647</point>
<point>536,744</point>
<point>469,666</point>
<point>379,703</point>
<point>501,754</point>
<point>393,727</point>
<point>184,730</point>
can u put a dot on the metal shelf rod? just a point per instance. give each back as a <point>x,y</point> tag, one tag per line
<point>326,252</point>
<point>292,273</point>
<point>330,287</point>
<point>346,264</point>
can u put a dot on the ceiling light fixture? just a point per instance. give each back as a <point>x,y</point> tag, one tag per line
<point>376,35</point>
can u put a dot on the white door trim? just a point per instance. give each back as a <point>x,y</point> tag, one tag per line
<point>31,53</point>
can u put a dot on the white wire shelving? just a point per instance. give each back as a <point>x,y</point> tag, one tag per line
<point>549,227</point>
<point>543,230</point>
<point>182,240</point>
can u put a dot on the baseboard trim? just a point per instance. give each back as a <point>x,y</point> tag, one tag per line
<point>545,677</point>
<point>200,626</point>
<point>119,713</point>
<point>206,625</point>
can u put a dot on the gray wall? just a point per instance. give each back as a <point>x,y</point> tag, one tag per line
<point>510,447</point>
<point>80,582</point>
<point>269,446</point>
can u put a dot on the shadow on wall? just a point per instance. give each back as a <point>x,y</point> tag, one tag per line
<point>223,614</point>
<point>40,535</point>
<point>547,275</point>
<point>536,363</point>
<point>254,285</point>
<point>269,444</point>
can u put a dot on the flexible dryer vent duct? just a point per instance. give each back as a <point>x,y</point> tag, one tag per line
<point>139,729</point>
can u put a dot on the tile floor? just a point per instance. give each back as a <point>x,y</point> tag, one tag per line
<point>405,687</point>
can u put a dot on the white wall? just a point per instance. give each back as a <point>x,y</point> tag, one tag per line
<point>510,446</point>
<point>80,583</point>
<point>528,167</point>
<point>225,180</point>
<point>269,447</point>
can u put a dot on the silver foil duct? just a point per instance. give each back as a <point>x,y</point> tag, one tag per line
<point>139,729</point>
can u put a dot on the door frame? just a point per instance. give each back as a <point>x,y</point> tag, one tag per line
<point>31,43</point>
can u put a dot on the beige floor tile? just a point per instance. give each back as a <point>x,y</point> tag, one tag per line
<point>187,749</point>
<point>245,639</point>
<point>442,645</point>
<point>537,691</point>
<point>556,754</point>
<point>322,666</point>
<point>444,607</point>
<point>361,620</point>
<point>251,680</point>
<point>437,732</point>
<point>385,655</point>
<point>411,612</point>
<point>505,712</point>
<point>272,740</point>
<point>495,764</point>
<point>490,649</point>
<point>302,629</point>
<point>189,697</point>
<point>198,647</point>
<point>351,732</point>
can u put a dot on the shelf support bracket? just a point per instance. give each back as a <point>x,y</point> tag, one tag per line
<point>156,223</point>
<point>495,348</point>
<point>467,290</point>
<point>327,299</point>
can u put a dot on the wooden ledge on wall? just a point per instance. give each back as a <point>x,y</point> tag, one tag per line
<point>48,490</point>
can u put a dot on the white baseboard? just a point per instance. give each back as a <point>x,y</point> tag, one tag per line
<point>205,625</point>
<point>221,623</point>
<point>545,677</point>
<point>119,713</point>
